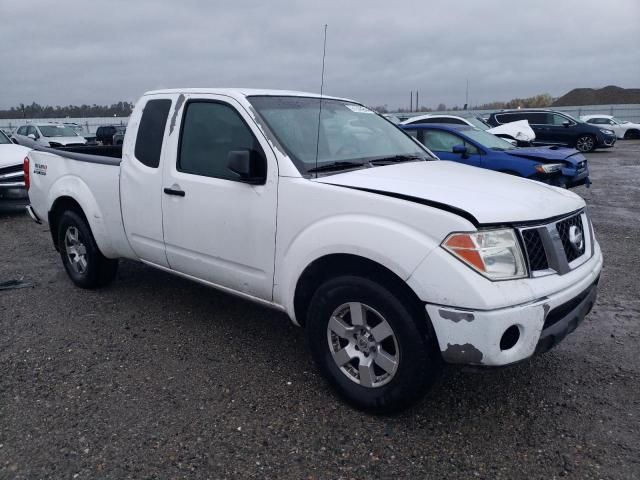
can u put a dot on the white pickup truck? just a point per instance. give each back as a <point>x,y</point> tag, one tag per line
<point>393,262</point>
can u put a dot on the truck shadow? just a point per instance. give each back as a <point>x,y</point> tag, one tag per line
<point>275,349</point>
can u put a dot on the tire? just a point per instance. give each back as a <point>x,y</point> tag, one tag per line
<point>586,143</point>
<point>83,261</point>
<point>631,134</point>
<point>411,346</point>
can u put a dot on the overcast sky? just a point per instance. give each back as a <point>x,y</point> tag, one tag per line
<point>78,51</point>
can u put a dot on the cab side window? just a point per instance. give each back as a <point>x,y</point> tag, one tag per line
<point>441,141</point>
<point>210,131</point>
<point>558,120</point>
<point>151,132</point>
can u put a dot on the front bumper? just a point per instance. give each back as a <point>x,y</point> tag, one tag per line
<point>14,194</point>
<point>479,337</point>
<point>606,141</point>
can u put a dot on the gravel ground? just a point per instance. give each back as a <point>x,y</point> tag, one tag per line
<point>158,377</point>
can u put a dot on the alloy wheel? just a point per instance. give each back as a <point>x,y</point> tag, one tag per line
<point>363,344</point>
<point>76,250</point>
<point>585,144</point>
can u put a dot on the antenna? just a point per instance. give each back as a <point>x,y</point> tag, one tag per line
<point>324,54</point>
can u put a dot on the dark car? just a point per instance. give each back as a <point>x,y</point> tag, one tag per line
<point>105,133</point>
<point>561,167</point>
<point>557,128</point>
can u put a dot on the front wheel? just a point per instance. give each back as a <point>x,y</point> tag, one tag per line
<point>83,261</point>
<point>370,344</point>
<point>586,143</point>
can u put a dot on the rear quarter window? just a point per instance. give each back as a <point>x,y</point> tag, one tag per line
<point>534,118</point>
<point>151,132</point>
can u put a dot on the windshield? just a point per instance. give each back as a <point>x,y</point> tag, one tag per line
<point>478,123</point>
<point>57,131</point>
<point>488,140</point>
<point>618,121</point>
<point>4,138</point>
<point>572,118</point>
<point>348,132</point>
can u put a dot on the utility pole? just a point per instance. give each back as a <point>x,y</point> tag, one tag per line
<point>466,97</point>
<point>417,102</point>
<point>411,102</point>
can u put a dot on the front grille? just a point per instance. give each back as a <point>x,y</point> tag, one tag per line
<point>564,230</point>
<point>11,169</point>
<point>535,250</point>
<point>9,176</point>
<point>548,247</point>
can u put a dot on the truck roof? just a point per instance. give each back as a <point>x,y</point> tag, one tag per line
<point>243,92</point>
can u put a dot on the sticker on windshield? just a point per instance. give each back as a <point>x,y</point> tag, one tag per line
<point>357,108</point>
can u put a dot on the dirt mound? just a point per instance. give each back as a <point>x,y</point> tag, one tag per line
<point>601,96</point>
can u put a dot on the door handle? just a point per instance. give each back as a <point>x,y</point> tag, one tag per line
<point>173,191</point>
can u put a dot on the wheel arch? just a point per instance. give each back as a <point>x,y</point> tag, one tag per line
<point>59,206</point>
<point>332,265</point>
<point>632,133</point>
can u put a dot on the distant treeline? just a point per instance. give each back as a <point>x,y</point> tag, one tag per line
<point>537,101</point>
<point>120,109</point>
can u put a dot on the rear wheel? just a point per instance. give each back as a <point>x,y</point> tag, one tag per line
<point>370,344</point>
<point>586,143</point>
<point>631,134</point>
<point>83,261</point>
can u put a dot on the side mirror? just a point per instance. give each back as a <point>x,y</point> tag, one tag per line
<point>248,165</point>
<point>461,149</point>
<point>566,123</point>
<point>14,141</point>
<point>32,136</point>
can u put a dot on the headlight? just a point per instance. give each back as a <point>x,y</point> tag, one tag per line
<point>607,132</point>
<point>495,254</point>
<point>549,167</point>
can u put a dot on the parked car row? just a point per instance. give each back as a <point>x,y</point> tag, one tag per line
<point>67,134</point>
<point>518,133</point>
<point>48,135</point>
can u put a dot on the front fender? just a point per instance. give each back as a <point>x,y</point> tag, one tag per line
<point>392,244</point>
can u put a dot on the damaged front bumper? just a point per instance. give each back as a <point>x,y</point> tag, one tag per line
<point>508,335</point>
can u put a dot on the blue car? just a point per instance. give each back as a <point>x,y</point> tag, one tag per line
<point>562,167</point>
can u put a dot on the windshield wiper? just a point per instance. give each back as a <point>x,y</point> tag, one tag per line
<point>396,159</point>
<point>340,165</point>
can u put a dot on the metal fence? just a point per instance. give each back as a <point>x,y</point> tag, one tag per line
<point>630,112</point>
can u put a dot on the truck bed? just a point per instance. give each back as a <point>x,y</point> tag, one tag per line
<point>92,180</point>
<point>111,151</point>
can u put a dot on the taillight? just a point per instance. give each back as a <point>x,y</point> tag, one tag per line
<point>25,170</point>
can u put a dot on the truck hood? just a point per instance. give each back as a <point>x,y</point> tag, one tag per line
<point>549,154</point>
<point>520,130</point>
<point>12,154</point>
<point>482,196</point>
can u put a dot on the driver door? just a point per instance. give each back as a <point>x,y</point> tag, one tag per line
<point>218,228</point>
